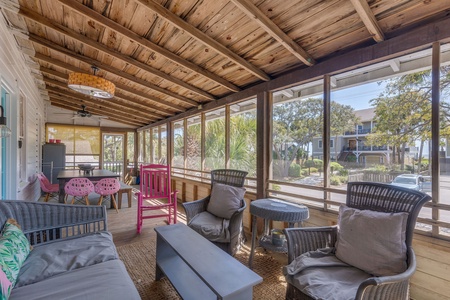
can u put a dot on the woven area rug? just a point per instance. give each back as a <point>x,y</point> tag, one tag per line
<point>140,257</point>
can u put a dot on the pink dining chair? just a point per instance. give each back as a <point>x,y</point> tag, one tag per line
<point>47,187</point>
<point>155,194</point>
<point>105,187</point>
<point>78,187</point>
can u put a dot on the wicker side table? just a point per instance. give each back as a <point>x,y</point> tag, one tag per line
<point>275,210</point>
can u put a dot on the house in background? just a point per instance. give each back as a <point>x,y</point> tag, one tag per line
<point>351,146</point>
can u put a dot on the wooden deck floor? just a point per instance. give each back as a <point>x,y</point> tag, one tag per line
<point>123,224</point>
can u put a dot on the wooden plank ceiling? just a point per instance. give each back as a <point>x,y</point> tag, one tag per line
<point>169,56</point>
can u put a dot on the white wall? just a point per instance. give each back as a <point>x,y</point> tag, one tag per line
<point>16,77</point>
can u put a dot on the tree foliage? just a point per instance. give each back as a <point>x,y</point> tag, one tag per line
<point>403,113</point>
<point>296,124</point>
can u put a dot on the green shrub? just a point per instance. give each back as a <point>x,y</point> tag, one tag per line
<point>309,164</point>
<point>295,170</point>
<point>276,187</point>
<point>334,166</point>
<point>313,170</point>
<point>343,172</point>
<point>318,163</point>
<point>338,180</point>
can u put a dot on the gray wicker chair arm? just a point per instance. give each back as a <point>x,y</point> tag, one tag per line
<point>301,240</point>
<point>42,222</point>
<point>389,287</point>
<point>236,219</point>
<point>193,208</point>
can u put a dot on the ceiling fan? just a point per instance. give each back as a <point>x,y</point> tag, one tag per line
<point>83,113</point>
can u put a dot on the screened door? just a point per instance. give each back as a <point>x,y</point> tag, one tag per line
<point>114,153</point>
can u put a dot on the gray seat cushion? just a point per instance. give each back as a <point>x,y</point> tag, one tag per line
<point>331,283</point>
<point>61,256</point>
<point>107,280</point>
<point>211,227</point>
<point>321,275</point>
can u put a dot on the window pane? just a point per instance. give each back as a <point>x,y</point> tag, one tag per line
<point>193,143</point>
<point>148,146</point>
<point>155,145</point>
<point>243,137</point>
<point>381,127</point>
<point>296,156</point>
<point>130,147</point>
<point>163,155</point>
<point>141,147</point>
<point>178,144</point>
<point>87,140</point>
<point>215,140</point>
<point>444,153</point>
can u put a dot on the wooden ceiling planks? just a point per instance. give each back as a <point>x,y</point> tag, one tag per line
<point>168,56</point>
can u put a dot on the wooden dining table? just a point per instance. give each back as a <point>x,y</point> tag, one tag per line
<point>95,175</point>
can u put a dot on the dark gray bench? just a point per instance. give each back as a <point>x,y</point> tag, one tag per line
<point>198,269</point>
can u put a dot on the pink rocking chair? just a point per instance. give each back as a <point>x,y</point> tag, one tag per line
<point>156,186</point>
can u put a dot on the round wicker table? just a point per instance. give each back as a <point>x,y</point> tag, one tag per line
<point>275,210</point>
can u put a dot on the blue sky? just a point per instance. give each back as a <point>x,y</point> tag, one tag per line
<point>358,97</point>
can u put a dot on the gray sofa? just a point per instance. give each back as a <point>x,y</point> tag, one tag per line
<point>73,254</point>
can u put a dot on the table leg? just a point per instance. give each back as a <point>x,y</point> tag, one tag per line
<point>252,251</point>
<point>62,193</point>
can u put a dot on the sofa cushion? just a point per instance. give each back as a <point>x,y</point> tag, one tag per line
<point>65,255</point>
<point>225,200</point>
<point>372,241</point>
<point>107,280</point>
<point>211,227</point>
<point>14,249</point>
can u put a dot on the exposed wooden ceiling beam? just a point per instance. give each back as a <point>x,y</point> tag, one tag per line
<point>75,105</point>
<point>60,102</point>
<point>153,109</point>
<point>71,106</point>
<point>101,19</point>
<point>98,108</point>
<point>117,107</point>
<point>31,15</point>
<point>128,101</point>
<point>55,47</point>
<point>368,18</point>
<point>271,28</point>
<point>203,38</point>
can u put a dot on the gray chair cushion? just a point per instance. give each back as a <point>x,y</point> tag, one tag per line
<point>211,227</point>
<point>331,283</point>
<point>372,241</point>
<point>107,280</point>
<point>321,275</point>
<point>61,256</point>
<point>225,200</point>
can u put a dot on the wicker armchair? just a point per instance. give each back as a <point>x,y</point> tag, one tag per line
<point>365,196</point>
<point>229,177</point>
<point>44,222</point>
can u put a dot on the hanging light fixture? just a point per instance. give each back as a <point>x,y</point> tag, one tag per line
<point>4,130</point>
<point>91,85</point>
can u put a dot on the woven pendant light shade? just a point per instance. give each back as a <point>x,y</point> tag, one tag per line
<point>91,85</point>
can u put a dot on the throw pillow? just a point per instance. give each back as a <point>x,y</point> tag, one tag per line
<point>372,241</point>
<point>225,200</point>
<point>14,249</point>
